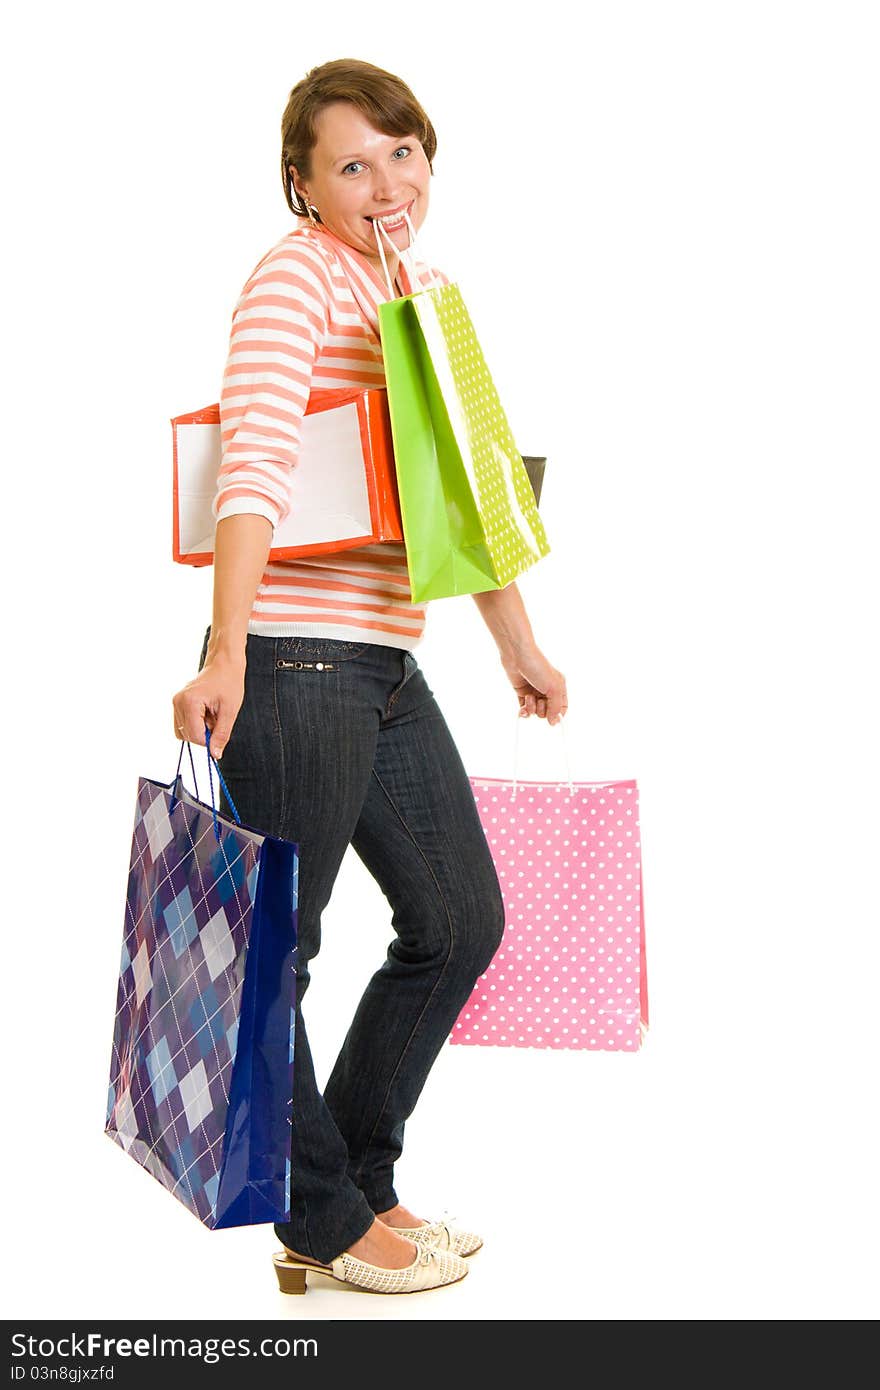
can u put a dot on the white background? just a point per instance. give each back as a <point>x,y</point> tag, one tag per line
<point>665,223</point>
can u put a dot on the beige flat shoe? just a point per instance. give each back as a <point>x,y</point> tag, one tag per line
<point>430,1269</point>
<point>438,1235</point>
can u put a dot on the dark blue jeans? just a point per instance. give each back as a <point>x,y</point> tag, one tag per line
<point>340,743</point>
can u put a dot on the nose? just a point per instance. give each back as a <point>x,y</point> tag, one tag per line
<point>386,194</point>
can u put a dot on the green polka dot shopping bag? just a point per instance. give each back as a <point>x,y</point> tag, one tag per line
<point>469,515</point>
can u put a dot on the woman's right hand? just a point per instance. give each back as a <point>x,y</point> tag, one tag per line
<point>213,699</point>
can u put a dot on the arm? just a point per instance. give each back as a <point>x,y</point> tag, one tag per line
<point>539,686</point>
<point>504,613</point>
<point>241,549</point>
<point>278,329</point>
<point>215,696</point>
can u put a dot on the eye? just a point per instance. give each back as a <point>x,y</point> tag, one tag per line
<point>401,149</point>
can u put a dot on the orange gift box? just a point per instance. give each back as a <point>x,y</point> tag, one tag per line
<point>343,487</point>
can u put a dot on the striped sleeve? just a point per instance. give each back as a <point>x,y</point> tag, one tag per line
<point>278,329</point>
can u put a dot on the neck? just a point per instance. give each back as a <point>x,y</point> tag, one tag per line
<point>392,261</point>
<point>392,258</point>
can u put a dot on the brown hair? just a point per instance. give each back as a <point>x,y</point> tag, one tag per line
<point>385,100</point>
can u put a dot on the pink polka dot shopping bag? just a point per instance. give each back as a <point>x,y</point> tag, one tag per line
<point>570,971</point>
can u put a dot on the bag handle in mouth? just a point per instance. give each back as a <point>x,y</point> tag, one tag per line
<point>411,269</point>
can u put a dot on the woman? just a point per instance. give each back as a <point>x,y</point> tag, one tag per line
<point>329,733</point>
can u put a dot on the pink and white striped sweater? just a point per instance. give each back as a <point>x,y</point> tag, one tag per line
<point>308,316</point>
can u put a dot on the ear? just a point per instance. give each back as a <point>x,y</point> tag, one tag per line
<point>294,179</point>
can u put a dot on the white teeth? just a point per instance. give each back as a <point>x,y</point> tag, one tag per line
<point>390,219</point>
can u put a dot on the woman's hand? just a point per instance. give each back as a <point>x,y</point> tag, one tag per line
<point>539,686</point>
<point>213,698</point>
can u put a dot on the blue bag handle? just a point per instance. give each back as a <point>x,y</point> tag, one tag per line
<point>211,759</point>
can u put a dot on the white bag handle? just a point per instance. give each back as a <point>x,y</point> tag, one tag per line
<point>410,250</point>
<point>564,752</point>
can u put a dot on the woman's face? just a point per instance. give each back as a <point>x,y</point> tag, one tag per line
<point>358,173</point>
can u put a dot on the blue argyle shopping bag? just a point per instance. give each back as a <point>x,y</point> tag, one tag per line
<point>201,1076</point>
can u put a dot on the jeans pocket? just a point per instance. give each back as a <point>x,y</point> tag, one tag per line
<point>410,666</point>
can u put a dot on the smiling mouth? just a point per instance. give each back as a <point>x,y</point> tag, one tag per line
<point>392,217</point>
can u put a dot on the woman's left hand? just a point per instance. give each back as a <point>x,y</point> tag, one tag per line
<point>539,686</point>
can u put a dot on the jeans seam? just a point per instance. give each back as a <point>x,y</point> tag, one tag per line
<point>280,744</point>
<point>406,1046</point>
<point>392,701</point>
